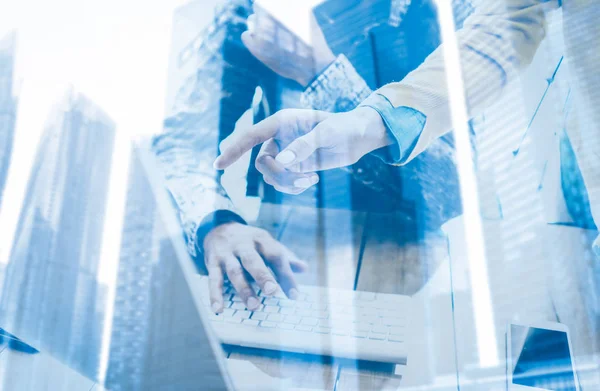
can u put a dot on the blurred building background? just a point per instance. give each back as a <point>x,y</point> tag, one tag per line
<point>8,106</point>
<point>51,291</point>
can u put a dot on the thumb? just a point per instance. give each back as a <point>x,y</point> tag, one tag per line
<point>303,147</point>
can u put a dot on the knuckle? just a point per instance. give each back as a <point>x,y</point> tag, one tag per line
<point>261,234</point>
<point>247,255</point>
<point>234,271</point>
<point>213,260</point>
<point>262,275</point>
<point>246,293</point>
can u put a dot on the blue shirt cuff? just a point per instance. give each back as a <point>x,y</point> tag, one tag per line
<point>405,124</point>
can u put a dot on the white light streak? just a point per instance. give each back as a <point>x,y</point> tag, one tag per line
<point>482,304</point>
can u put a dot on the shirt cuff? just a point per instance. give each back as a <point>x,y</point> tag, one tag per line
<point>213,220</point>
<point>339,88</point>
<point>405,124</point>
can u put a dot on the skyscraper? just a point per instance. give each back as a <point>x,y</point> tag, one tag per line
<point>50,288</point>
<point>138,257</point>
<point>155,338</point>
<point>8,106</point>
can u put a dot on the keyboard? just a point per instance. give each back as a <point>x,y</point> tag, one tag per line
<point>347,324</point>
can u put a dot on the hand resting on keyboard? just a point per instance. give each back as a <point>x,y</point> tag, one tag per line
<point>236,250</point>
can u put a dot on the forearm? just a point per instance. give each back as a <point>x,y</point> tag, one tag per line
<point>185,155</point>
<point>339,88</point>
<point>497,40</point>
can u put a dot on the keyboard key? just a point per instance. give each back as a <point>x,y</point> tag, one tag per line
<point>287,303</point>
<point>227,312</point>
<point>275,317</point>
<point>287,311</point>
<point>380,329</point>
<point>395,338</point>
<point>227,297</point>
<point>319,314</point>
<point>325,323</point>
<point>232,320</point>
<point>340,323</point>
<point>301,296</point>
<point>303,305</point>
<point>302,327</point>
<point>390,314</point>
<point>371,319</point>
<point>359,334</point>
<point>236,298</point>
<point>310,321</point>
<point>214,317</point>
<point>286,326</point>
<point>270,301</point>
<point>293,319</point>
<point>362,327</point>
<point>242,314</point>
<point>393,322</point>
<point>303,312</point>
<point>322,330</point>
<point>259,316</point>
<point>320,306</point>
<point>267,324</point>
<point>238,306</point>
<point>396,330</point>
<point>378,337</point>
<point>341,315</point>
<point>339,331</point>
<point>271,309</point>
<point>250,322</point>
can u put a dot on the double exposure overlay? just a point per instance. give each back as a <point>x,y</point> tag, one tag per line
<point>300,195</point>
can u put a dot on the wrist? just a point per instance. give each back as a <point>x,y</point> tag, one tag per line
<point>375,131</point>
<point>213,220</point>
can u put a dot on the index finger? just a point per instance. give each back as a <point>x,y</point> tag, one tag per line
<point>245,141</point>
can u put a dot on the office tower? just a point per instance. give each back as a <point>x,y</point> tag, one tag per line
<point>212,75</point>
<point>137,260</point>
<point>51,289</point>
<point>212,78</point>
<point>8,106</point>
<point>154,336</point>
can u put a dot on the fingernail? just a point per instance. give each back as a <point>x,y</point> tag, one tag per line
<point>286,157</point>
<point>216,307</point>
<point>252,303</point>
<point>306,182</point>
<point>303,182</point>
<point>216,163</point>
<point>270,287</point>
<point>293,294</point>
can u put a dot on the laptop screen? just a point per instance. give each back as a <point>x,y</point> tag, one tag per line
<point>106,296</point>
<point>541,358</point>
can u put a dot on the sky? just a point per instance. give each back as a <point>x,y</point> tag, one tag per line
<point>113,51</point>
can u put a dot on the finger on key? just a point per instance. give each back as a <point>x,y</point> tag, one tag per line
<point>279,258</point>
<point>215,287</point>
<point>237,277</point>
<point>255,266</point>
